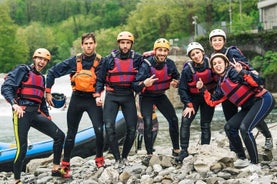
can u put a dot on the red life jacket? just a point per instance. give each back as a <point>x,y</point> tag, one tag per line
<point>33,88</point>
<point>123,73</point>
<point>237,93</point>
<point>206,76</point>
<point>163,81</point>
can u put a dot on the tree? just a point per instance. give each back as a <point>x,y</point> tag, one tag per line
<point>10,47</point>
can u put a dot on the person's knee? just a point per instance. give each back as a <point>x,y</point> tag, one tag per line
<point>98,130</point>
<point>243,131</point>
<point>227,127</point>
<point>60,135</point>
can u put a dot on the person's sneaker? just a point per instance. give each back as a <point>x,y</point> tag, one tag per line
<point>99,162</point>
<point>125,162</point>
<point>183,154</point>
<point>146,160</point>
<point>63,173</point>
<point>118,164</point>
<point>239,163</point>
<point>268,144</point>
<point>175,153</point>
<point>65,169</point>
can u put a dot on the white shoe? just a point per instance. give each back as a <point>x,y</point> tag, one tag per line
<point>268,144</point>
<point>125,162</point>
<point>241,163</point>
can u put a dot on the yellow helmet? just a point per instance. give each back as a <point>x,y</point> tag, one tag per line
<point>42,52</point>
<point>161,42</point>
<point>125,35</point>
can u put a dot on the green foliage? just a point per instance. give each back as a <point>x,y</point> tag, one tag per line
<point>267,64</point>
<point>10,45</point>
<point>39,36</point>
<point>106,40</point>
<point>58,25</point>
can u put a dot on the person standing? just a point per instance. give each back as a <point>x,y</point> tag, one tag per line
<point>82,69</point>
<point>242,88</point>
<point>154,77</point>
<point>140,125</point>
<point>197,68</point>
<point>217,39</point>
<point>24,89</point>
<point>117,72</point>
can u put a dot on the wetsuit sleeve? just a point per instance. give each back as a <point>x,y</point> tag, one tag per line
<point>183,88</point>
<point>215,99</point>
<point>143,73</point>
<point>238,56</point>
<point>248,77</point>
<point>63,68</point>
<point>12,83</point>
<point>101,74</point>
<point>138,59</point>
<point>173,70</point>
<point>43,107</point>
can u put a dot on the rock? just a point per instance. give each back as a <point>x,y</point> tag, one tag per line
<point>210,164</point>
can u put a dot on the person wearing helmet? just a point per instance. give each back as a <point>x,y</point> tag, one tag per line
<point>24,89</point>
<point>82,69</point>
<point>154,77</point>
<point>217,39</point>
<point>242,88</point>
<point>116,74</point>
<point>194,70</point>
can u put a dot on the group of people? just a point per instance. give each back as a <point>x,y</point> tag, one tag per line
<point>225,78</point>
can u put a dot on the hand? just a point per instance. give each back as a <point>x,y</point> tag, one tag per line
<point>236,65</point>
<point>255,72</point>
<point>99,101</point>
<point>174,83</point>
<point>199,84</point>
<point>18,110</point>
<point>148,53</point>
<point>188,112</point>
<point>149,81</point>
<point>49,99</point>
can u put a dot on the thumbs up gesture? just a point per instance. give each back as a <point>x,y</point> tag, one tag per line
<point>199,84</point>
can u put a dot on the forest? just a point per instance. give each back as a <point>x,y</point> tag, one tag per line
<point>57,25</point>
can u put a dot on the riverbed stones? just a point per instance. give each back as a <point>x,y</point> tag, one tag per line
<point>209,164</point>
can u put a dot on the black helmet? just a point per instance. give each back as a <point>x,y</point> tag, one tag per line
<point>58,99</point>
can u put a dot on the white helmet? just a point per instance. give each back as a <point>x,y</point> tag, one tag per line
<point>217,32</point>
<point>194,45</point>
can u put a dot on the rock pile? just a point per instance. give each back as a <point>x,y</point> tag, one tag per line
<point>206,164</point>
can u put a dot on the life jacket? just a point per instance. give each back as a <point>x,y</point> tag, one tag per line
<point>237,93</point>
<point>84,80</point>
<point>123,72</point>
<point>163,81</point>
<point>205,75</point>
<point>33,88</point>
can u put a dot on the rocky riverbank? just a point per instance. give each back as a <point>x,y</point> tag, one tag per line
<point>210,164</point>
